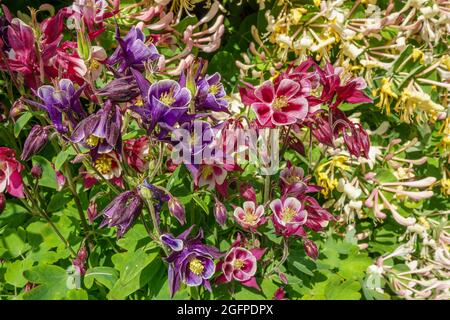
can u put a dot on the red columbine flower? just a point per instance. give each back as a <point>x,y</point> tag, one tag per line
<point>279,104</point>
<point>288,217</point>
<point>136,153</point>
<point>10,178</point>
<point>240,264</point>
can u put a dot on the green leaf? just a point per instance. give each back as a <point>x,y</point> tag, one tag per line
<point>54,283</point>
<point>348,290</point>
<point>48,178</point>
<point>14,272</point>
<point>61,159</point>
<point>135,263</point>
<point>21,123</point>
<point>200,202</point>
<point>14,241</point>
<point>107,276</point>
<point>77,294</point>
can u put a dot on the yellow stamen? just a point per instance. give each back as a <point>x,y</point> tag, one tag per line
<point>92,140</point>
<point>280,103</point>
<point>214,89</point>
<point>167,98</point>
<point>139,102</point>
<point>103,164</point>
<point>288,214</point>
<point>238,263</point>
<point>196,266</point>
<point>249,216</point>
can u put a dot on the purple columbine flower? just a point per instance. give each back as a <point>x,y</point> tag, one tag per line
<point>191,261</point>
<point>210,94</point>
<point>101,131</point>
<point>132,51</point>
<point>121,89</point>
<point>164,102</point>
<point>123,211</point>
<point>64,100</point>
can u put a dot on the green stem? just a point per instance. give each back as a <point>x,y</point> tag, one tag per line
<point>76,198</point>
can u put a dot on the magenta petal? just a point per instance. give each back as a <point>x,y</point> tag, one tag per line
<point>265,92</point>
<point>287,88</point>
<point>258,253</point>
<point>251,283</point>
<point>15,186</point>
<point>281,118</point>
<point>263,112</point>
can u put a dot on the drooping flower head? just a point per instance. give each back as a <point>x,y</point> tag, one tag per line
<point>191,262</point>
<point>101,131</point>
<point>61,103</point>
<point>288,217</point>
<point>123,211</point>
<point>10,178</point>
<point>250,217</point>
<point>132,51</point>
<point>106,164</point>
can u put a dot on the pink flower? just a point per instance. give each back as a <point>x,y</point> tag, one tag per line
<point>240,264</point>
<point>10,168</point>
<point>211,175</point>
<point>282,104</point>
<point>288,217</point>
<point>136,153</point>
<point>249,217</point>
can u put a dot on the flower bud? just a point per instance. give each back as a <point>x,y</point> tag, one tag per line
<point>35,141</point>
<point>36,171</point>
<point>220,213</point>
<point>279,294</point>
<point>16,109</point>
<point>310,248</point>
<point>2,202</point>
<point>92,211</point>
<point>248,192</point>
<point>177,209</point>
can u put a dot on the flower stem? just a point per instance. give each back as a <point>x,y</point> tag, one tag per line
<point>73,190</point>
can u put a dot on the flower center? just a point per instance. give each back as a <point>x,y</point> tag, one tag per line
<point>214,89</point>
<point>94,65</point>
<point>280,102</point>
<point>139,102</point>
<point>293,179</point>
<point>238,263</point>
<point>103,164</point>
<point>207,171</point>
<point>249,216</point>
<point>288,214</point>
<point>167,98</point>
<point>92,140</point>
<point>196,266</point>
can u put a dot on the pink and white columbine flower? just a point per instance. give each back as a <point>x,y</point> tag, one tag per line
<point>288,217</point>
<point>249,217</point>
<point>240,264</point>
<point>10,178</point>
<point>280,104</point>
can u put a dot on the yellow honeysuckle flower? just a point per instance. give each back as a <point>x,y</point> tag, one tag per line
<point>419,103</point>
<point>418,54</point>
<point>296,14</point>
<point>386,94</point>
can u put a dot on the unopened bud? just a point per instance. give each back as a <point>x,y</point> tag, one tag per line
<point>177,209</point>
<point>35,141</point>
<point>220,213</point>
<point>36,171</point>
<point>310,248</point>
<point>92,211</point>
<point>248,192</point>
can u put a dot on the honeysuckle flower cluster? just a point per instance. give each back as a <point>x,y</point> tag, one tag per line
<point>156,164</point>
